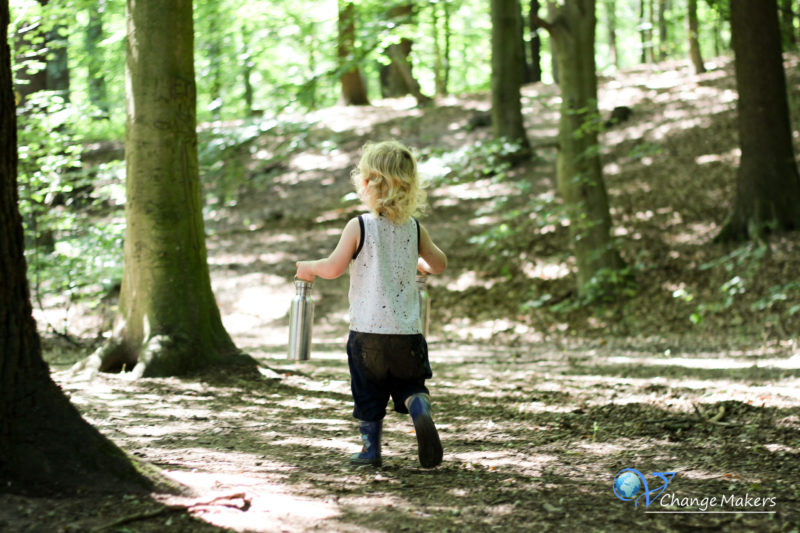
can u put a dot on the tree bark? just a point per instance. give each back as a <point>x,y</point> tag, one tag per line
<point>45,445</point>
<point>767,182</point>
<point>663,36</point>
<point>168,321</point>
<point>507,69</point>
<point>535,42</point>
<point>642,31</point>
<point>611,11</point>
<point>578,169</point>
<point>354,90</point>
<point>98,96</point>
<point>694,43</point>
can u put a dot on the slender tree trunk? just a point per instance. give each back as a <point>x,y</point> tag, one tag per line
<point>45,445</point>
<point>694,42</point>
<point>651,40</point>
<point>448,33</point>
<point>767,182</point>
<point>354,90</point>
<point>663,36</point>
<point>98,96</point>
<point>168,321</point>
<point>247,69</point>
<point>611,12</point>
<point>523,48</point>
<point>536,42</point>
<point>552,12</point>
<point>57,61</point>
<point>578,169</point>
<point>643,30</point>
<point>507,72</point>
<point>438,61</point>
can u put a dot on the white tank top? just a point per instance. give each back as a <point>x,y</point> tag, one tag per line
<point>383,289</point>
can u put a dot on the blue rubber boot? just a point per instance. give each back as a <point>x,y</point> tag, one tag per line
<point>371,451</point>
<point>430,447</point>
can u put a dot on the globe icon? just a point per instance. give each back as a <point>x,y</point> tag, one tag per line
<point>626,485</point>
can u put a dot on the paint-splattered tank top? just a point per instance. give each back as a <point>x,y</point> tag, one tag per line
<point>383,290</point>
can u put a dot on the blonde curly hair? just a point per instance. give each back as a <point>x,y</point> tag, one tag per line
<point>387,181</point>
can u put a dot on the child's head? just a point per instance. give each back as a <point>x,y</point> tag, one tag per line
<point>387,181</point>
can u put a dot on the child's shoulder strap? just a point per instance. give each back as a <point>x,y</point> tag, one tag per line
<point>361,236</point>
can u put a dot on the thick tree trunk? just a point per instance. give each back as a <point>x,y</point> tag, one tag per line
<point>768,185</point>
<point>168,321</point>
<point>507,71</point>
<point>354,90</point>
<point>694,42</point>
<point>579,174</point>
<point>45,446</point>
<point>399,77</point>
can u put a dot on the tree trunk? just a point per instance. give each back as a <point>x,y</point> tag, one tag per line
<point>168,321</point>
<point>663,37</point>
<point>354,90</point>
<point>535,42</point>
<point>507,63</point>
<point>400,79</point>
<point>45,445</point>
<point>525,75</point>
<point>579,174</point>
<point>694,43</point>
<point>768,185</point>
<point>448,33</point>
<point>643,30</point>
<point>787,23</point>
<point>95,66</point>
<point>247,69</point>
<point>611,10</point>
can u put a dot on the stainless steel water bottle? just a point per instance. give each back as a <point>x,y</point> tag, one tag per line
<point>424,303</point>
<point>301,318</point>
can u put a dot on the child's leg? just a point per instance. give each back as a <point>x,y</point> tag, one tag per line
<point>429,447</point>
<point>370,397</point>
<point>409,368</point>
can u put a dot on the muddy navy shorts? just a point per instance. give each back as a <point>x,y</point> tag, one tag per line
<point>383,366</point>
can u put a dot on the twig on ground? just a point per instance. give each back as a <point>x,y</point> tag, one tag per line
<point>146,515</point>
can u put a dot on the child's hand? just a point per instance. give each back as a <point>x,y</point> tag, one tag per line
<point>305,270</point>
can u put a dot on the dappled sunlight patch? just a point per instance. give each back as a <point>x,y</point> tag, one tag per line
<point>547,270</point>
<point>523,463</point>
<point>308,161</point>
<point>272,507</point>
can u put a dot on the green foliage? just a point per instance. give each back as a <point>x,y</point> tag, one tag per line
<point>469,162</point>
<point>741,266</point>
<point>223,151</point>
<point>67,251</point>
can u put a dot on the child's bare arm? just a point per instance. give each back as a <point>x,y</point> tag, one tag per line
<point>335,264</point>
<point>431,258</point>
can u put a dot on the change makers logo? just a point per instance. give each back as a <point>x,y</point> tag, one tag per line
<point>630,485</point>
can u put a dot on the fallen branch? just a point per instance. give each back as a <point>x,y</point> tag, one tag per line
<point>146,515</point>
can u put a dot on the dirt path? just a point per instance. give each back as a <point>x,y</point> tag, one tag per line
<point>533,437</point>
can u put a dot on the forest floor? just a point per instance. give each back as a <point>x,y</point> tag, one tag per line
<point>539,401</point>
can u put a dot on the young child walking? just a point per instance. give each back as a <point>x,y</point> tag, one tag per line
<point>384,248</point>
